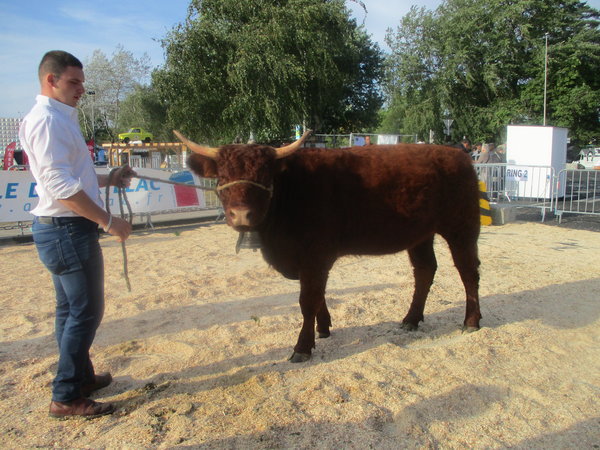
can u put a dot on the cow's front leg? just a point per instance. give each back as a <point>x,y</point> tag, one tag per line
<point>422,257</point>
<point>312,301</point>
<point>323,321</point>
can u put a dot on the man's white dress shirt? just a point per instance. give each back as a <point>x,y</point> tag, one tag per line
<point>61,165</point>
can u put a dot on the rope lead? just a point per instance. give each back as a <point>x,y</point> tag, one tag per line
<point>122,197</point>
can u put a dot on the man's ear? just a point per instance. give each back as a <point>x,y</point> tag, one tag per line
<point>202,166</point>
<point>51,79</point>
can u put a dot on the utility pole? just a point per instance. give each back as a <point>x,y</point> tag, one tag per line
<point>545,76</point>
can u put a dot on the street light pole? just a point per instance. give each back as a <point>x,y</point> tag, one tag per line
<point>93,94</point>
<point>545,76</point>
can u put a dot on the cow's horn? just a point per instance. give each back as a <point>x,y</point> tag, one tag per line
<point>286,150</point>
<point>209,152</point>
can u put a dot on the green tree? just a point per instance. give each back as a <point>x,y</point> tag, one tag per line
<point>573,67</point>
<point>111,81</point>
<point>483,61</point>
<point>263,66</point>
<point>143,107</point>
<point>411,83</point>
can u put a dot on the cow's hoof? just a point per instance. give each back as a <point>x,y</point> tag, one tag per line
<point>409,326</point>
<point>299,357</point>
<point>467,329</point>
<point>323,335</point>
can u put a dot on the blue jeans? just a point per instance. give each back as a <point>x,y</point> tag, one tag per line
<point>70,250</point>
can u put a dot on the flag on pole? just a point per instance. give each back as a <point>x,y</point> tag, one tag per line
<point>9,155</point>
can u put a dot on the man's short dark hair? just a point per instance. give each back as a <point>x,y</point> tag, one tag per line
<point>56,62</point>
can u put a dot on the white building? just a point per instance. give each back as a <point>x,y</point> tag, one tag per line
<point>9,132</point>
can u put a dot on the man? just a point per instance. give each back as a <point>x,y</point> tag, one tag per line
<point>489,155</point>
<point>476,152</point>
<point>464,145</point>
<point>65,229</point>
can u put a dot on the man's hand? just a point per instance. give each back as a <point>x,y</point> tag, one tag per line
<point>119,228</point>
<point>122,176</point>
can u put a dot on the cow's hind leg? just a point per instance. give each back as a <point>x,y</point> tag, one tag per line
<point>464,253</point>
<point>312,305</point>
<point>422,258</point>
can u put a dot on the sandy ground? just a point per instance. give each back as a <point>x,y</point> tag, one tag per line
<point>199,349</point>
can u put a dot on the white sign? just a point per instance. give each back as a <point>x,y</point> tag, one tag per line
<point>18,196</point>
<point>448,123</point>
<point>517,173</point>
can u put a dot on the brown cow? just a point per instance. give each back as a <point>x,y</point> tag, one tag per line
<point>310,206</point>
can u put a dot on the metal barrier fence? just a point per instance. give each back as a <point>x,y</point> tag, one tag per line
<point>14,228</point>
<point>210,197</point>
<point>571,191</point>
<point>581,192</point>
<point>519,186</point>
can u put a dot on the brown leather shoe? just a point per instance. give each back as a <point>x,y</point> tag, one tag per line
<point>100,381</point>
<point>82,407</point>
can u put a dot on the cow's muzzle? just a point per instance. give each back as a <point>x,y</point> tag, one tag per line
<point>241,218</point>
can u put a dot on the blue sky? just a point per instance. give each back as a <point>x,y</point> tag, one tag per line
<point>32,27</point>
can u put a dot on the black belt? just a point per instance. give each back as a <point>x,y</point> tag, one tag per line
<point>48,220</point>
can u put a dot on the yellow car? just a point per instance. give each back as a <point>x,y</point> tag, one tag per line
<point>136,134</point>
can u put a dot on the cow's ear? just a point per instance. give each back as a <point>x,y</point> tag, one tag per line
<point>202,166</point>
